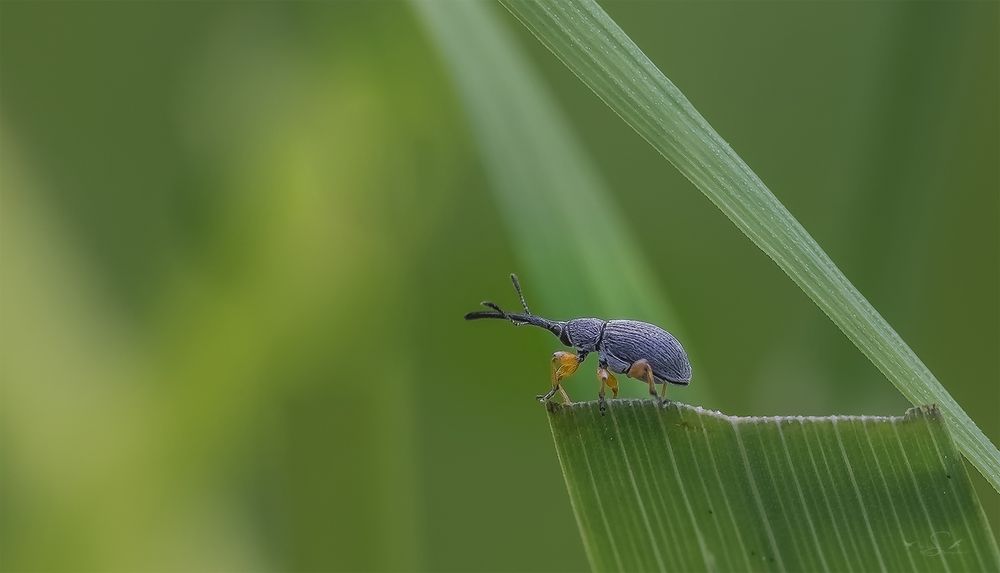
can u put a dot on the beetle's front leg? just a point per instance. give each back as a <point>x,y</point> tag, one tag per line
<point>564,364</point>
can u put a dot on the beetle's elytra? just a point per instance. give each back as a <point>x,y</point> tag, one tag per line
<point>637,349</point>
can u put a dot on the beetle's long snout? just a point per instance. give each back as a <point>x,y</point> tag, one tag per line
<point>553,326</point>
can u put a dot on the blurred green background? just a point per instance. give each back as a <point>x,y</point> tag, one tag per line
<point>237,240</point>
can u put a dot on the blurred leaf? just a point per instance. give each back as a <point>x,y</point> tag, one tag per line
<point>686,489</point>
<point>87,453</point>
<point>599,52</point>
<point>572,238</point>
<point>223,397</point>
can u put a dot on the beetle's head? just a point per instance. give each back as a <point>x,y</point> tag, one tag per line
<point>582,333</point>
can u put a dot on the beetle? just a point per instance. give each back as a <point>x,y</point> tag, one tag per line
<point>636,349</point>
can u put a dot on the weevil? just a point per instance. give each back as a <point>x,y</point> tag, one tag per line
<point>636,349</point>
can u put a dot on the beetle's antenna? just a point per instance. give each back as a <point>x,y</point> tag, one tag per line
<point>517,287</point>
<point>495,307</point>
<point>495,312</point>
<point>516,319</point>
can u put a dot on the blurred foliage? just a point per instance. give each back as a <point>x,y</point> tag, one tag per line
<point>237,240</point>
<point>562,219</point>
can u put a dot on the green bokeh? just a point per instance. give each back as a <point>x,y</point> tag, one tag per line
<point>237,239</point>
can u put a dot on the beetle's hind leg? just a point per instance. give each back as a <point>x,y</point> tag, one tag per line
<point>564,364</point>
<point>607,380</point>
<point>641,370</point>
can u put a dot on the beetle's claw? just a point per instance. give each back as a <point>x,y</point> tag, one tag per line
<point>602,404</point>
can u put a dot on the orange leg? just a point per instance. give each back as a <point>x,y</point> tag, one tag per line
<point>641,370</point>
<point>607,379</point>
<point>564,364</point>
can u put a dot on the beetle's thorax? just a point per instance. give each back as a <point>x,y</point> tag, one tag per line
<point>583,333</point>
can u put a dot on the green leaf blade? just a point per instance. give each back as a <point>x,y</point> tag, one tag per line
<point>685,489</point>
<point>599,52</point>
